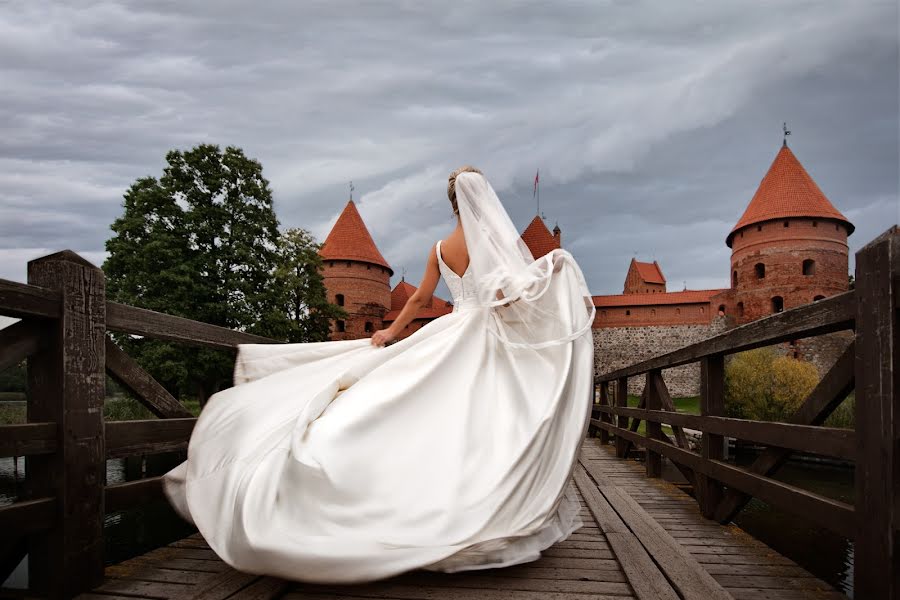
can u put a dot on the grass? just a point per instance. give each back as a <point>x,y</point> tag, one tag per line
<point>120,408</point>
<point>689,405</point>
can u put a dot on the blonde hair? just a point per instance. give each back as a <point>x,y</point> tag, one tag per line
<point>451,184</point>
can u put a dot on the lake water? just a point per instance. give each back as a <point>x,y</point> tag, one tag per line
<point>825,554</point>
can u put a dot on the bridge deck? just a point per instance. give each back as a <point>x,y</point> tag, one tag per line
<point>643,538</point>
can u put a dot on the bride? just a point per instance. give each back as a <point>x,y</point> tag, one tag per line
<point>450,450</point>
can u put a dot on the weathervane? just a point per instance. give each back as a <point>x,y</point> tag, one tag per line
<point>351,190</point>
<point>403,275</point>
<point>787,132</point>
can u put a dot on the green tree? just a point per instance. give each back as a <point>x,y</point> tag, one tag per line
<point>199,242</point>
<point>761,385</point>
<point>300,311</point>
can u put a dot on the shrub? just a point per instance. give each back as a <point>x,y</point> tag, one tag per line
<point>763,386</point>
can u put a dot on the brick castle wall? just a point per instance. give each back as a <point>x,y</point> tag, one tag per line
<point>650,316</point>
<point>367,296</point>
<point>782,247</point>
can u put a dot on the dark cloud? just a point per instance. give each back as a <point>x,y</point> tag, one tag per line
<point>652,122</point>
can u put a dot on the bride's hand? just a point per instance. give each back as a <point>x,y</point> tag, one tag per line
<point>382,337</point>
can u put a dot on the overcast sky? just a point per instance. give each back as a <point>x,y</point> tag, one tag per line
<point>652,123</point>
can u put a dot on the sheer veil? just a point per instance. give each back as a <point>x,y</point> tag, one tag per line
<point>537,303</point>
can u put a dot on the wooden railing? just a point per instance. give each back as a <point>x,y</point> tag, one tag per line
<point>868,366</point>
<point>63,334</point>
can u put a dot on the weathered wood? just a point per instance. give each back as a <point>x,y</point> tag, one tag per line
<point>28,439</point>
<point>688,576</point>
<point>27,517</point>
<point>877,547</point>
<point>604,401</point>
<point>825,316</point>
<point>653,462</point>
<point>831,514</point>
<point>22,300</point>
<point>666,403</point>
<point>712,404</point>
<point>125,495</point>
<point>12,551</point>
<point>827,441</point>
<point>17,342</point>
<point>160,326</point>
<point>643,575</point>
<point>621,421</point>
<point>129,438</point>
<point>67,385</point>
<point>825,397</point>
<point>148,391</point>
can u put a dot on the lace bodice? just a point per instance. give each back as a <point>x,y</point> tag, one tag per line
<point>461,288</point>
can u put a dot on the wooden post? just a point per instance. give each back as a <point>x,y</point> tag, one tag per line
<point>653,463</point>
<point>604,417</point>
<point>712,403</point>
<point>621,401</point>
<point>876,564</point>
<point>67,385</point>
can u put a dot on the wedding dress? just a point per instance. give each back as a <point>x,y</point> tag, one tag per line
<point>449,450</point>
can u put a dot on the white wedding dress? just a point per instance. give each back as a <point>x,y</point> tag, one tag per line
<point>340,461</point>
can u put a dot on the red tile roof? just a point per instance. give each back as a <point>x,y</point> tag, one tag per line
<point>434,308</point>
<point>685,297</point>
<point>349,239</point>
<point>538,238</point>
<point>650,272</point>
<point>787,190</point>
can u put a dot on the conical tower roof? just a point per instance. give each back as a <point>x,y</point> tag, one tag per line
<point>538,238</point>
<point>349,239</point>
<point>787,190</point>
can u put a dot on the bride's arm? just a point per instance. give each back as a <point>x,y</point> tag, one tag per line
<point>413,304</point>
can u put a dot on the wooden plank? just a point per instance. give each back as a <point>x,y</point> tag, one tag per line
<point>144,589</point>
<point>12,551</point>
<point>604,401</point>
<point>27,517</point>
<point>28,439</point>
<point>831,514</point>
<point>621,402</point>
<point>666,404</point>
<point>146,389</point>
<point>653,461</point>
<point>19,341</point>
<point>23,301</point>
<point>264,588</point>
<point>645,578</point>
<point>125,495</point>
<point>815,439</point>
<point>688,576</point>
<point>160,326</point>
<point>129,438</point>
<point>220,587</point>
<point>712,446</point>
<point>877,548</point>
<point>825,397</point>
<point>67,386</point>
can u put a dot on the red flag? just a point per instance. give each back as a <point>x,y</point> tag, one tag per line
<point>537,179</point>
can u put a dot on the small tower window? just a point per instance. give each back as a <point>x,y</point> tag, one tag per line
<point>369,327</point>
<point>652,312</point>
<point>777,304</point>
<point>702,310</point>
<point>734,279</point>
<point>809,267</point>
<point>721,310</point>
<point>815,223</point>
<point>368,267</point>
<point>760,270</point>
<point>339,298</point>
<point>627,313</point>
<point>348,263</point>
<point>817,298</point>
<point>787,223</point>
<point>740,309</point>
<point>339,325</point>
<point>677,311</point>
<point>759,227</point>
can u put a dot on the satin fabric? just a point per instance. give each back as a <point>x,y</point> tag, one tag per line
<point>339,462</point>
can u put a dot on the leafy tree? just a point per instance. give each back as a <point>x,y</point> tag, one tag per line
<point>763,386</point>
<point>300,311</point>
<point>199,242</point>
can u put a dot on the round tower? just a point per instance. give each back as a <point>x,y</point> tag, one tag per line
<point>357,277</point>
<point>790,246</point>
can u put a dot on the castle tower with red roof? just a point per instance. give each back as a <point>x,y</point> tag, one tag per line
<point>789,248</point>
<point>539,239</point>
<point>644,278</point>
<point>357,277</point>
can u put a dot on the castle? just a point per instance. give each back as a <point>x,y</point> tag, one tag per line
<point>789,248</point>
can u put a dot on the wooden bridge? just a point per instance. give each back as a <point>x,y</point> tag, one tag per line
<point>643,537</point>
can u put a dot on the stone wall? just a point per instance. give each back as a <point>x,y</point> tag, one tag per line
<point>618,347</point>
